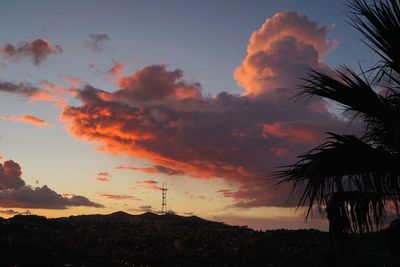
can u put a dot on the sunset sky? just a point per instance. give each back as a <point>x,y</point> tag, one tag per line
<point>103,101</point>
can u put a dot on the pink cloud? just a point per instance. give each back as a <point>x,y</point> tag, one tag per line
<point>37,50</point>
<point>74,80</point>
<point>297,132</point>
<point>119,197</point>
<point>26,119</point>
<point>279,51</point>
<point>116,70</point>
<point>147,184</point>
<point>103,177</point>
<point>154,83</point>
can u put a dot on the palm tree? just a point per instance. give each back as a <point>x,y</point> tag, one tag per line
<point>356,179</point>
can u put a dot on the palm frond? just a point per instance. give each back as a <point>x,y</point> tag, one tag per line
<point>340,165</point>
<point>380,25</point>
<point>355,211</point>
<point>349,90</point>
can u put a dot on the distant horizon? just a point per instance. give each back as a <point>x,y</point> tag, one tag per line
<point>159,214</point>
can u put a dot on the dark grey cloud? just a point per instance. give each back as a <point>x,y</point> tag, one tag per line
<point>14,193</point>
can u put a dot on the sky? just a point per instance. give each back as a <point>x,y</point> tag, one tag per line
<point>101,102</point>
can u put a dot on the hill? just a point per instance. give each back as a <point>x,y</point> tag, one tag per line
<point>121,239</point>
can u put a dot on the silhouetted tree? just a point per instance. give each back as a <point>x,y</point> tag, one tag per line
<point>355,179</point>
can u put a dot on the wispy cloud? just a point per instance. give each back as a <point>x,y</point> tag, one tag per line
<point>97,42</point>
<point>119,196</point>
<point>103,177</point>
<point>153,169</point>
<point>29,119</point>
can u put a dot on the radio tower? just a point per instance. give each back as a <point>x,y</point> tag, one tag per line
<point>164,198</point>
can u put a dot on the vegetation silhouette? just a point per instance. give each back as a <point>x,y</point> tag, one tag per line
<point>355,180</point>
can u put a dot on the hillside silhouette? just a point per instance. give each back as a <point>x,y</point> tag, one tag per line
<point>121,239</point>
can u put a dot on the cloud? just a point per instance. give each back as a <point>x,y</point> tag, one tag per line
<point>198,197</point>
<point>155,84</point>
<point>158,115</point>
<point>103,177</point>
<point>74,80</point>
<point>147,184</point>
<point>144,208</point>
<point>119,197</point>
<point>294,132</point>
<point>22,89</point>
<point>37,50</point>
<point>278,53</point>
<point>96,41</point>
<point>47,91</point>
<point>151,170</point>
<point>14,193</point>
<point>116,70</point>
<point>26,119</point>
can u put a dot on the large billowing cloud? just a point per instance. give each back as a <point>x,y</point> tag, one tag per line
<point>279,51</point>
<point>37,50</point>
<point>14,193</point>
<point>158,115</point>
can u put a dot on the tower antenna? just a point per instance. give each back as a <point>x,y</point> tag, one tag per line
<point>164,190</point>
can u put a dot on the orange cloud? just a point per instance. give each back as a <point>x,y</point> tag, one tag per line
<point>74,80</point>
<point>279,51</point>
<point>116,70</point>
<point>37,50</point>
<point>26,119</point>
